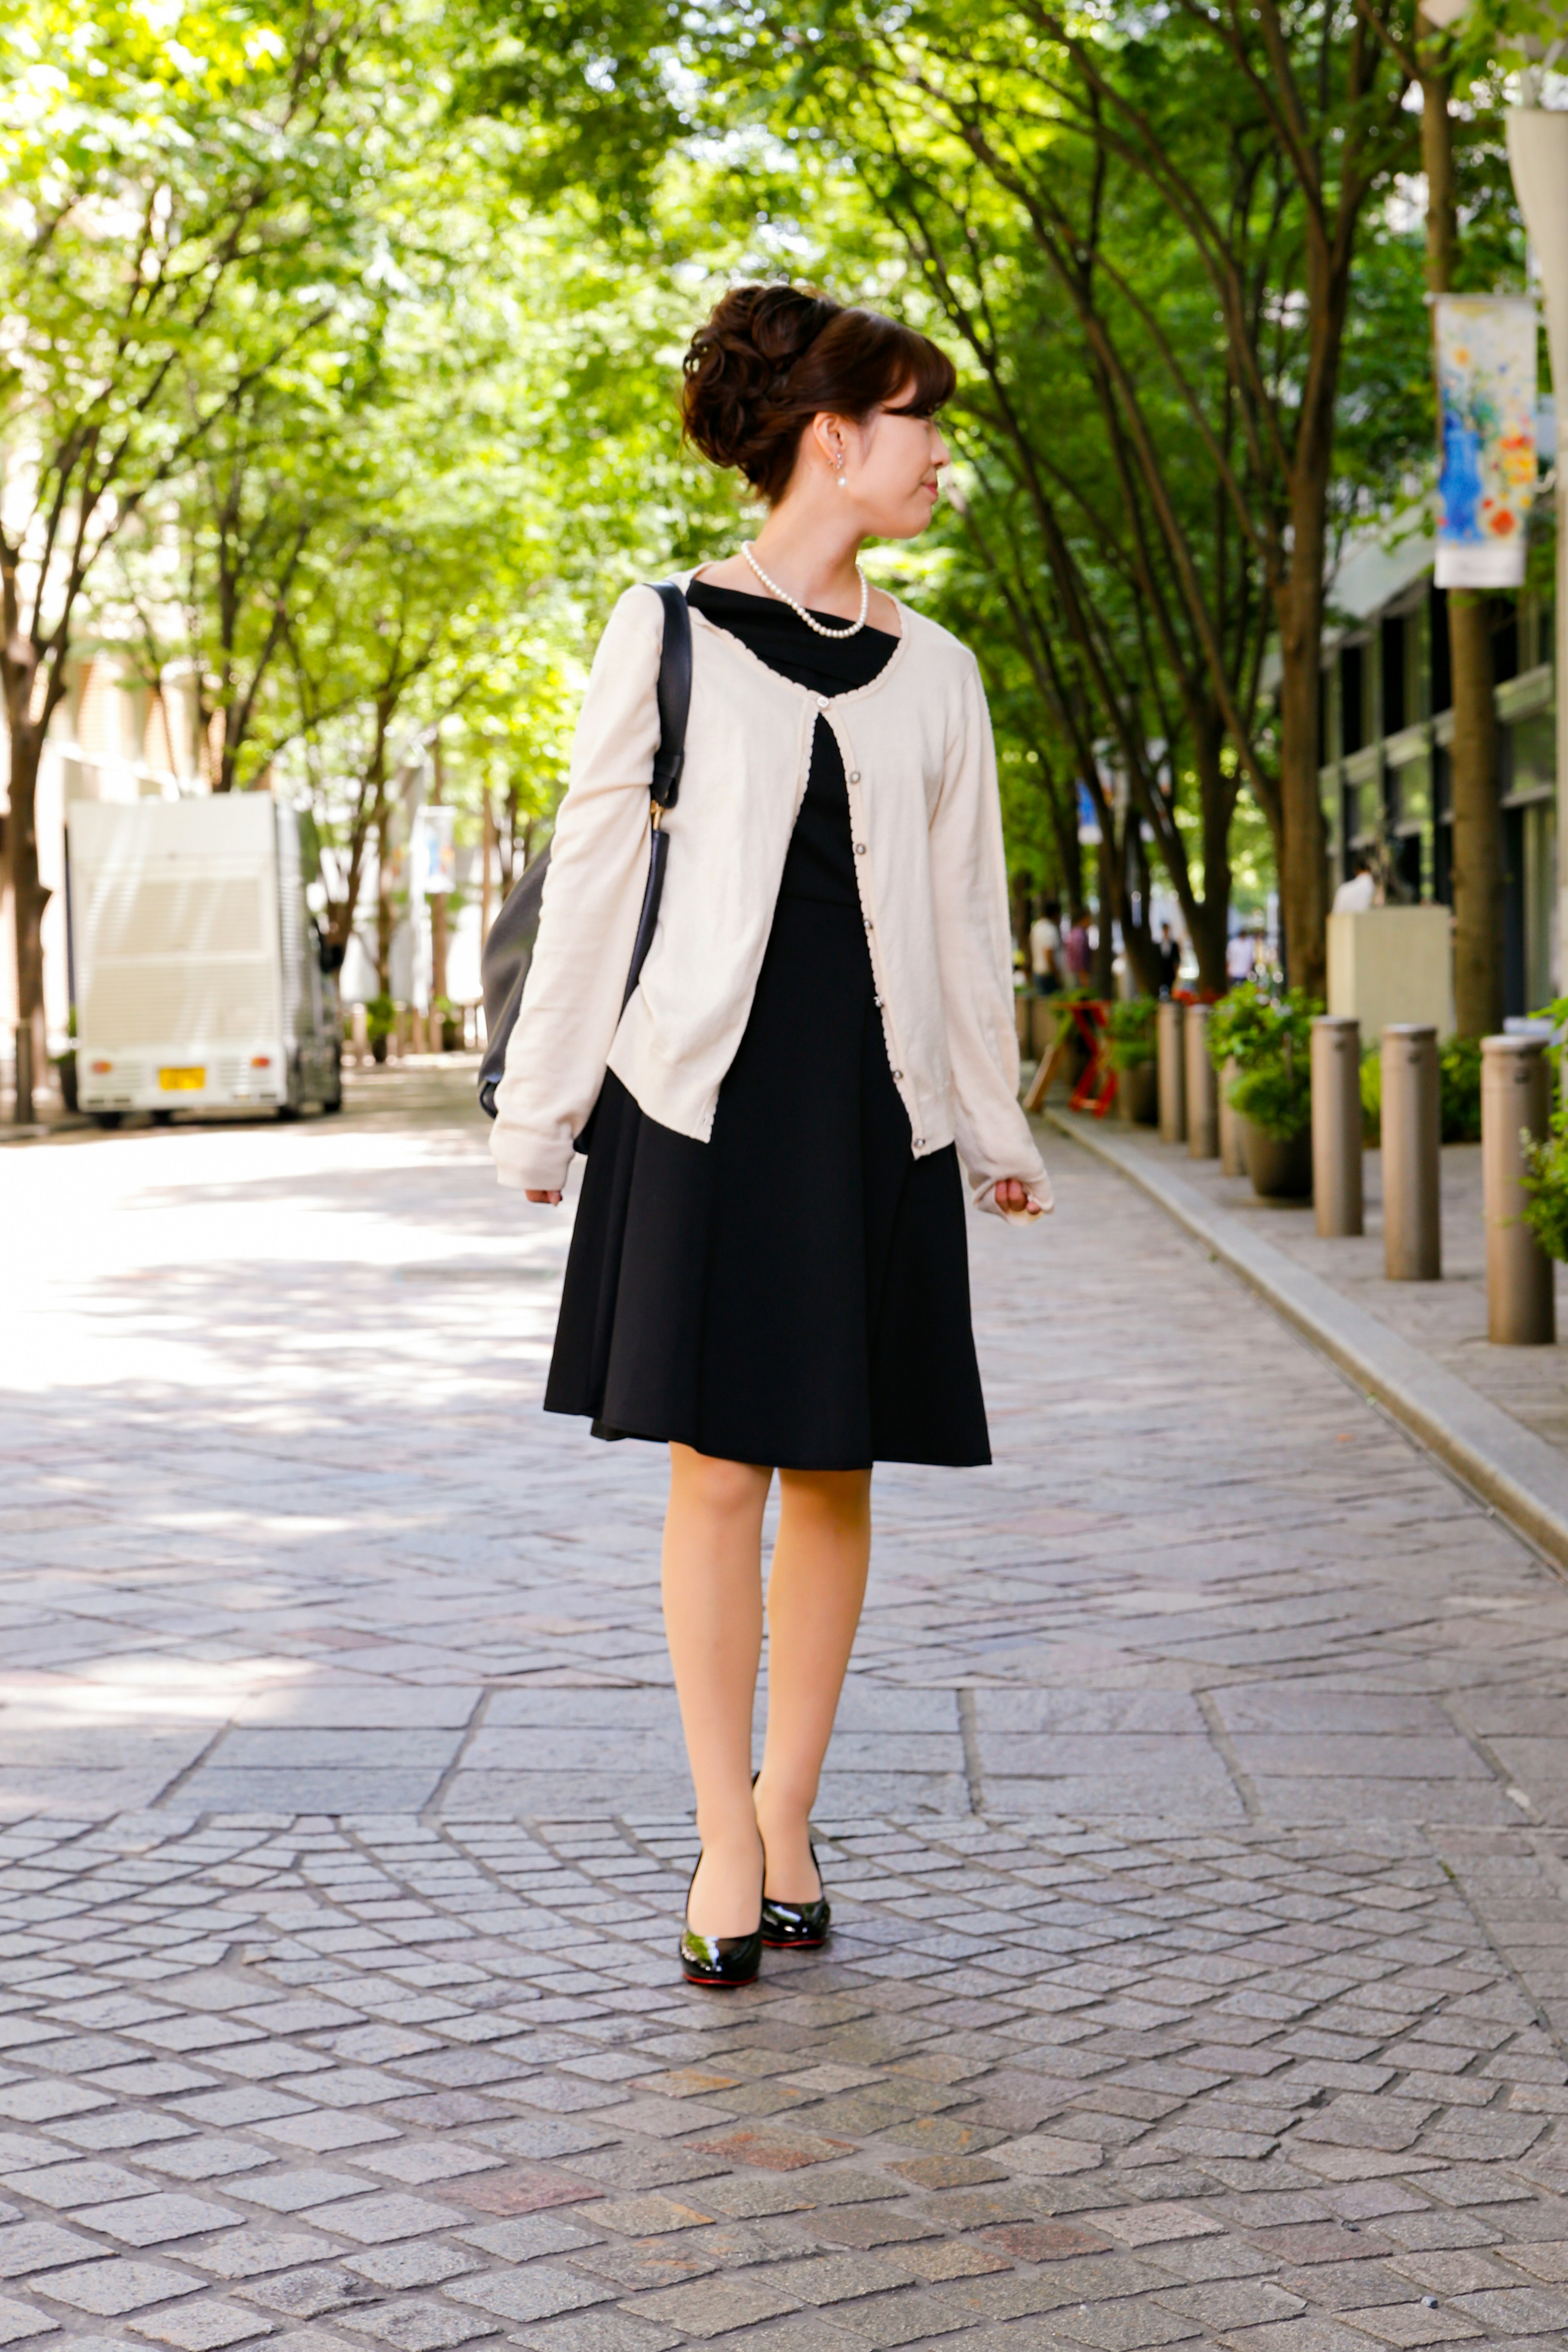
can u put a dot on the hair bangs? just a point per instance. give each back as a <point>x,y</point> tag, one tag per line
<point>926,376</point>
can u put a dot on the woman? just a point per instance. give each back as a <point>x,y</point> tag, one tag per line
<point>768,1271</point>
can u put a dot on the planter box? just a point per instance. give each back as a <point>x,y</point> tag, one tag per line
<point>1390,964</point>
<point>1138,1095</point>
<point>1279,1171</point>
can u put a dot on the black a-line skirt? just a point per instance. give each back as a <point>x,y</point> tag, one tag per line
<point>794,1292</point>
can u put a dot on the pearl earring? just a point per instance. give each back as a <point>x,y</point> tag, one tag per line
<point>841,482</point>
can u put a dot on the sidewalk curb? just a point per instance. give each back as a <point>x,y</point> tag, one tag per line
<point>1507,1466</point>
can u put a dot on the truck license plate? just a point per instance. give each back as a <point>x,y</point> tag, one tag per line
<point>182,1082</point>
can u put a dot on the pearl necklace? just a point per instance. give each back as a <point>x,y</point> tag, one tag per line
<point>854,627</point>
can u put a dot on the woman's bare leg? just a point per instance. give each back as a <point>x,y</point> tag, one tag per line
<point>816,1589</point>
<point>714,1619</point>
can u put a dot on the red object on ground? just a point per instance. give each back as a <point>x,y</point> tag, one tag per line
<point>1096,1090</point>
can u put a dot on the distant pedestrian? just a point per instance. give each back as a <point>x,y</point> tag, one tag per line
<point>1240,957</point>
<point>1045,948</point>
<point>768,1268</point>
<point>1168,954</point>
<point>1077,949</point>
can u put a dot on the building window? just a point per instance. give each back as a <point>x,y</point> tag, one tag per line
<point>1353,699</point>
<point>1442,675</point>
<point>1396,715</point>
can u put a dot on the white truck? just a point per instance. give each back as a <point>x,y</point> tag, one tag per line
<point>199,979</point>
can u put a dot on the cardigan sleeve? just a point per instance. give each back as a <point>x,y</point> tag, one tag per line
<point>571,1008</point>
<point>973,943</point>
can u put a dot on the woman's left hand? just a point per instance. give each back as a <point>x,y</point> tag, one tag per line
<point>1012,1197</point>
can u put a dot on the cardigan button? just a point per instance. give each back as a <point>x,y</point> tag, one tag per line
<point>854,775</point>
<point>898,1075</point>
<point>859,849</point>
<point>877,1003</point>
<point>920,1143</point>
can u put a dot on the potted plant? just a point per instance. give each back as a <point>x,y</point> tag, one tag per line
<point>1267,1042</point>
<point>1130,1026</point>
<point>380,1020</point>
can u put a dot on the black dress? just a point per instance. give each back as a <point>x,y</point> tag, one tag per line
<point>794,1292</point>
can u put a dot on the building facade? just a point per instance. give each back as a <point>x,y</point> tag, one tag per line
<point>1387,728</point>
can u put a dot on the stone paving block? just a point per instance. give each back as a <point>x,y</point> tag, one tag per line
<point>836,2278</point>
<point>1125,2327</point>
<point>111,2288</point>
<point>17,2321</point>
<point>200,2159</point>
<point>713,2306</point>
<point>600,2330</point>
<point>1515,2310</point>
<point>1417,2324</point>
<point>536,2291</point>
<point>253,2252</point>
<point>377,2220</point>
<point>420,2326</point>
<point>65,2184</point>
<point>29,2246</point>
<point>202,2325</point>
<point>158,2219</point>
<point>292,2193</point>
<point>307,2294</point>
<point>1233,2304</point>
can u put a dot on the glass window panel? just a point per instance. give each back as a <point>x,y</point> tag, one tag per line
<point>1412,791</point>
<point>1540,891</point>
<point>1533,752</point>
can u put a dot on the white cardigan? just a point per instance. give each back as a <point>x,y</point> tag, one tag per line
<point>926,830</point>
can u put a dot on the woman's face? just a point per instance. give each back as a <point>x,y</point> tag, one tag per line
<point>891,468</point>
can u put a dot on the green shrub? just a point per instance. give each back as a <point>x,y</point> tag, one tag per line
<point>379,1017</point>
<point>1239,1021</point>
<point>1460,1089</point>
<point>1546,1184</point>
<point>1270,1040</point>
<point>1130,1024</point>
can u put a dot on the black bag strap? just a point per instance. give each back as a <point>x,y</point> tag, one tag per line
<point>674,692</point>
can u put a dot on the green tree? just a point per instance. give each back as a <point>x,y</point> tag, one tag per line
<point>184,210</point>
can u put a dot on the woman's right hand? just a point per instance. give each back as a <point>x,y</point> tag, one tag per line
<point>549,1200</point>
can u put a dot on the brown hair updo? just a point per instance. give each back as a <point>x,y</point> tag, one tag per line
<point>773,357</point>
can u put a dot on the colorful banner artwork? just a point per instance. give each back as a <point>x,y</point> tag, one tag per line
<point>1486,483</point>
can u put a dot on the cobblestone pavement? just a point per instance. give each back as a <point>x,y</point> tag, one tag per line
<point>1197,1824</point>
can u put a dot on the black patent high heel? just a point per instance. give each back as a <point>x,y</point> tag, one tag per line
<point>796,1926</point>
<point>793,1927</point>
<point>720,1961</point>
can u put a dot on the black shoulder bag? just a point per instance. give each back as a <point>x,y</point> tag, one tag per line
<point>508,951</point>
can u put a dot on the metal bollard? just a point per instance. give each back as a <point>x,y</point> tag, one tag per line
<point>1173,1089</point>
<point>1232,1148</point>
<point>1411,1155</point>
<point>1202,1092</point>
<point>1336,1125</point>
<point>1516,1092</point>
<point>22,1111</point>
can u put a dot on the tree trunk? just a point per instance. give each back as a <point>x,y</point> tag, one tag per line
<point>1303,867</point>
<point>29,895</point>
<point>1478,820</point>
<point>1473,759</point>
<point>1208,919</point>
<point>438,897</point>
<point>386,911</point>
<point>1111,900</point>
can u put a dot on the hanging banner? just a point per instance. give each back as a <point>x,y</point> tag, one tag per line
<point>1487,462</point>
<point>435,857</point>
